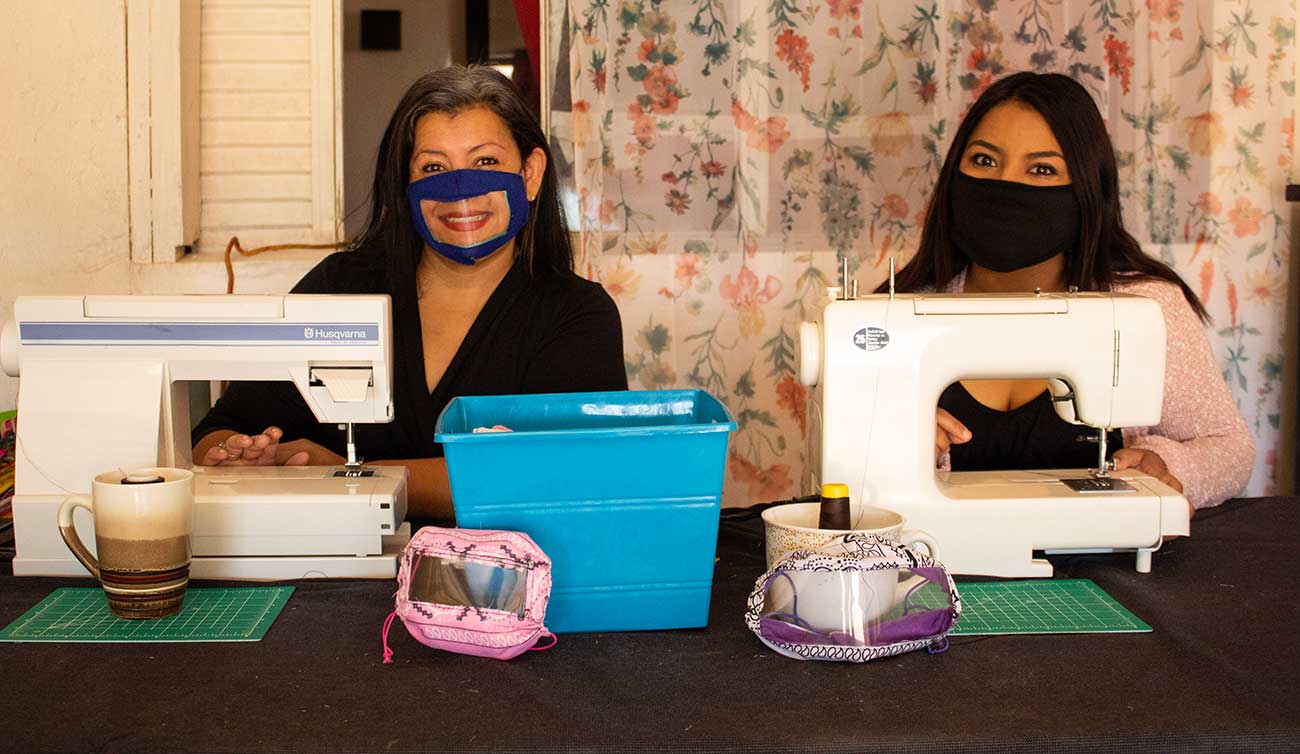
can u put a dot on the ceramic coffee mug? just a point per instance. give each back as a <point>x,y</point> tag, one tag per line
<point>794,527</point>
<point>846,602</point>
<point>143,522</point>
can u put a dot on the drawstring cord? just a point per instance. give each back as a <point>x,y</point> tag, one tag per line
<point>414,562</point>
<point>388,653</point>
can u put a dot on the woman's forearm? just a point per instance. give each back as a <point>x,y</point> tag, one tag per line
<point>428,493</point>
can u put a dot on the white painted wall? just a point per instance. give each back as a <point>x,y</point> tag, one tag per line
<point>63,153</point>
<point>433,36</point>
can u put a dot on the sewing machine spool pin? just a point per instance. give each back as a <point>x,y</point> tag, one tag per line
<point>848,289</point>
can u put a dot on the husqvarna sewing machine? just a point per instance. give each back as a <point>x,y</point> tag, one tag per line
<point>104,386</point>
<point>880,362</point>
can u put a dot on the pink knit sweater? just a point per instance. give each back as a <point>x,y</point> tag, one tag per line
<point>1201,436</point>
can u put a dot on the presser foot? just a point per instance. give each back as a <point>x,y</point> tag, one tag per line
<point>352,467</point>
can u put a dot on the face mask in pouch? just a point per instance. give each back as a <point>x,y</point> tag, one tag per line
<point>1005,226</point>
<point>463,185</point>
<point>475,592</point>
<point>856,599</point>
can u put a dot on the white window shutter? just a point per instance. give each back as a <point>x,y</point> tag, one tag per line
<point>269,127</point>
<point>163,127</point>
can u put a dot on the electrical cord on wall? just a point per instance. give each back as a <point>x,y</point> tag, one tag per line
<point>234,246</point>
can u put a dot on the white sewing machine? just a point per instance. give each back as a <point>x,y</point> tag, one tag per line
<point>103,386</point>
<point>879,364</point>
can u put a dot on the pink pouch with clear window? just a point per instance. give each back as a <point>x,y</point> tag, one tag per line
<point>473,591</point>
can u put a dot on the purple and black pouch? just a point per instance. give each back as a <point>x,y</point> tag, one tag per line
<point>859,598</point>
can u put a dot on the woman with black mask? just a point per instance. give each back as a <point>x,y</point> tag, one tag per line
<point>1028,198</point>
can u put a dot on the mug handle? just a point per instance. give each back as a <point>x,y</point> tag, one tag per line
<point>68,530</point>
<point>908,537</point>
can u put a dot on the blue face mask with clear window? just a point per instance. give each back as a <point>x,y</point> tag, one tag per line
<point>458,185</point>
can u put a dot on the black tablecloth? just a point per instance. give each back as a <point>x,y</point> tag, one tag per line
<point>1219,673</point>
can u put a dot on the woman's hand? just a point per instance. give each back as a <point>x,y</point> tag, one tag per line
<point>1146,462</point>
<point>257,450</point>
<point>948,432</point>
<point>1150,464</point>
<point>311,454</point>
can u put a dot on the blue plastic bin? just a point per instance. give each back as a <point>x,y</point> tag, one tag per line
<point>622,490</point>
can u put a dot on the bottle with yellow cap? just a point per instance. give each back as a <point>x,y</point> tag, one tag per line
<point>835,507</point>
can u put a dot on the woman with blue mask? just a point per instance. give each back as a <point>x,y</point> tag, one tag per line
<point>465,233</point>
<point>1028,198</point>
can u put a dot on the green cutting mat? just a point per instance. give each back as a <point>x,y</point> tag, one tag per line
<point>1041,606</point>
<point>80,614</point>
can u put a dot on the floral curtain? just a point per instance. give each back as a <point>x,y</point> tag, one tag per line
<point>723,156</point>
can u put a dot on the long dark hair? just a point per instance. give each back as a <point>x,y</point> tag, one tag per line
<point>1106,252</point>
<point>542,245</point>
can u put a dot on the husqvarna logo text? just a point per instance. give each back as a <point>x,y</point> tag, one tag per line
<point>871,338</point>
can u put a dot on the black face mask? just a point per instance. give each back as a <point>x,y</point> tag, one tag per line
<point>1005,226</point>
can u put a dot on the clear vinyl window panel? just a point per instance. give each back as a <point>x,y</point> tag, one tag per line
<point>467,584</point>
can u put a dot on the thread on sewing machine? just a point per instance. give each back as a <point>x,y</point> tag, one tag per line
<point>875,401</point>
<point>39,470</point>
<point>69,493</point>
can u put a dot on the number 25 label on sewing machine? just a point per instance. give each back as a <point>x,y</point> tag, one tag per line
<point>871,338</point>
<point>1099,485</point>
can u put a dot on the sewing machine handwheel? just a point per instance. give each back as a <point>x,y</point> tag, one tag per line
<point>10,355</point>
<point>810,353</point>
